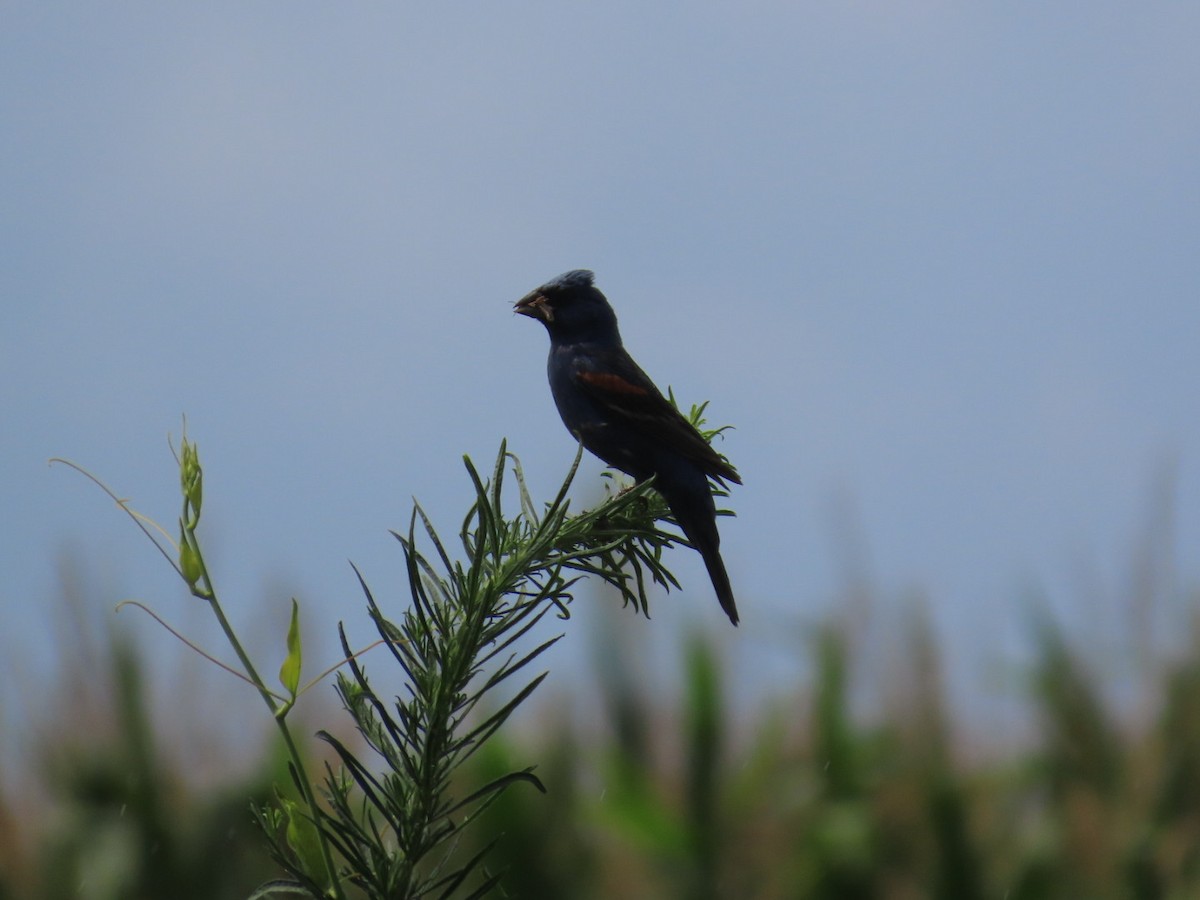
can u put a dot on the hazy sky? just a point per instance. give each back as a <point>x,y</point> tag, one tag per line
<point>939,264</point>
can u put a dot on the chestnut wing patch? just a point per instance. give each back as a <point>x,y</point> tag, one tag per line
<point>607,381</point>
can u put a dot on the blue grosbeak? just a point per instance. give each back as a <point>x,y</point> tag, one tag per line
<point>618,414</point>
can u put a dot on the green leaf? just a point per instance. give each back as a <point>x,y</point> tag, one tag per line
<point>303,842</point>
<point>289,672</point>
<point>278,887</point>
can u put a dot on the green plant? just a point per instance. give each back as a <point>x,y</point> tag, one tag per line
<point>389,827</point>
<point>456,645</point>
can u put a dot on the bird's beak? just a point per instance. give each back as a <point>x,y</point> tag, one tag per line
<point>535,306</point>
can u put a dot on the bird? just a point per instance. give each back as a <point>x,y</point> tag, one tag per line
<point>613,408</point>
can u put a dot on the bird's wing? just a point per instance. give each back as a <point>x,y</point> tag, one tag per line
<point>626,391</point>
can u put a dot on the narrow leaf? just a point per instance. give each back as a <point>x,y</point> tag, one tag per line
<point>289,672</point>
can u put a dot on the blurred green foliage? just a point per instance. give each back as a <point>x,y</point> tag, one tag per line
<point>802,799</point>
<point>116,819</point>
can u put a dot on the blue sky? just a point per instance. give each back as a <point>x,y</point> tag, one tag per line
<point>938,263</point>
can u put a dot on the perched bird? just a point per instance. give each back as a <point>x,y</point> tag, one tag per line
<point>618,414</point>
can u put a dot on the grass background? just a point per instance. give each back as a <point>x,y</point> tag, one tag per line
<point>860,781</point>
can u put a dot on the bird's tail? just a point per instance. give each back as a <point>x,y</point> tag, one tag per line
<point>720,580</point>
<point>697,516</point>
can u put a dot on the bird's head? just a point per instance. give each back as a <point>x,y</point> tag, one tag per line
<point>571,308</point>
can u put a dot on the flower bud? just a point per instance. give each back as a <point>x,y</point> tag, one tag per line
<point>189,562</point>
